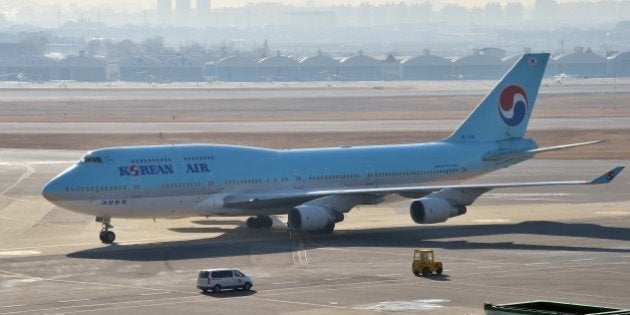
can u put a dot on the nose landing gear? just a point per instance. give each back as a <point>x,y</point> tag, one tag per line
<point>106,236</point>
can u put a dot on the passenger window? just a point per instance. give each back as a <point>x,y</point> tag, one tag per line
<point>204,274</point>
<point>237,273</point>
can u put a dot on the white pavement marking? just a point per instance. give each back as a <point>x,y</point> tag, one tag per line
<point>63,309</point>
<point>71,301</point>
<point>20,253</point>
<point>490,267</point>
<point>15,305</point>
<point>340,278</point>
<point>154,293</point>
<point>613,213</point>
<point>29,171</point>
<point>301,303</point>
<point>402,306</point>
<point>286,282</point>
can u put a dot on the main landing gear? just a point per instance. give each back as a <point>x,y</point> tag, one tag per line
<point>259,222</point>
<point>106,236</point>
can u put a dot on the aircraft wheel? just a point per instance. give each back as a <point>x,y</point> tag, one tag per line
<point>107,237</point>
<point>267,222</point>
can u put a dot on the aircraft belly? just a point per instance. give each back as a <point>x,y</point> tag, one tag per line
<point>146,207</point>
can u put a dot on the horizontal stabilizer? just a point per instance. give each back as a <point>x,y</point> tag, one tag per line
<point>496,156</point>
<point>608,177</point>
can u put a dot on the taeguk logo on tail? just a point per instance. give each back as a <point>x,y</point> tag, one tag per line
<point>513,105</point>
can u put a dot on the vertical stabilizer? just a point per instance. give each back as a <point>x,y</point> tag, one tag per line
<point>505,112</point>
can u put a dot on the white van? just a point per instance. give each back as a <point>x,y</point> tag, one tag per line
<point>218,279</point>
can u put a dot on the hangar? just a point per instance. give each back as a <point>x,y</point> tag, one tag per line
<point>360,68</point>
<point>278,68</point>
<point>582,63</point>
<point>427,67</point>
<point>238,69</point>
<point>318,68</point>
<point>83,68</point>
<point>32,68</point>
<point>182,69</point>
<point>478,66</point>
<point>139,69</point>
<point>619,64</point>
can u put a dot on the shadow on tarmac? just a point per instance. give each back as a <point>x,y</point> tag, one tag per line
<point>228,293</point>
<point>244,242</point>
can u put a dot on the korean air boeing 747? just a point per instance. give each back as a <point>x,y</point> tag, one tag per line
<point>315,187</point>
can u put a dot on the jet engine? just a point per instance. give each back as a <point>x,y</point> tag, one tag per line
<point>307,218</point>
<point>434,210</point>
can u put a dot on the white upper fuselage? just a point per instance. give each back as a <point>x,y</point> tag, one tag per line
<point>194,180</point>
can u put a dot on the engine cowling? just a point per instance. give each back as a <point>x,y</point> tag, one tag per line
<point>308,218</point>
<point>434,210</point>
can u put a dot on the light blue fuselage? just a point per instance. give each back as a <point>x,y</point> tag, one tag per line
<point>192,180</point>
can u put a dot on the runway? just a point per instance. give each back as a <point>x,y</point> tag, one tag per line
<point>51,128</point>
<point>567,244</point>
<point>82,91</point>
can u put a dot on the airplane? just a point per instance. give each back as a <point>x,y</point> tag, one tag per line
<point>315,187</point>
<point>561,77</point>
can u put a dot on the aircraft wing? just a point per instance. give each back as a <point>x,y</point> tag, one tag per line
<point>464,194</point>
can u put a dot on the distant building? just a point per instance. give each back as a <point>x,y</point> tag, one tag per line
<point>140,69</point>
<point>182,12</point>
<point>478,66</point>
<point>278,68</point>
<point>391,69</point>
<point>582,63</point>
<point>237,69</point>
<point>360,68</point>
<point>164,10</point>
<point>83,68</point>
<point>427,67</point>
<point>619,65</point>
<point>202,10</point>
<point>319,68</point>
<point>32,68</point>
<point>182,69</point>
<point>210,71</point>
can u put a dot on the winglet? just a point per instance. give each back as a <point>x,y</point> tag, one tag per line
<point>608,177</point>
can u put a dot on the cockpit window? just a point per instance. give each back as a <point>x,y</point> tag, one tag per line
<point>92,159</point>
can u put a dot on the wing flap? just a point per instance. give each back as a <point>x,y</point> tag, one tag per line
<point>498,156</point>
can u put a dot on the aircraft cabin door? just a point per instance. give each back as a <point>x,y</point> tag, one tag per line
<point>298,180</point>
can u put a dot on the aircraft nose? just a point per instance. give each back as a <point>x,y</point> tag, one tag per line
<point>52,190</point>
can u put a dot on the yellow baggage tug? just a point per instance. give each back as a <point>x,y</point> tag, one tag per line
<point>424,263</point>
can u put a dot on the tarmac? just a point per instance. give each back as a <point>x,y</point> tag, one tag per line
<point>568,244</point>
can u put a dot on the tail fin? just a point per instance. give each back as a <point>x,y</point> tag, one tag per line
<point>505,112</point>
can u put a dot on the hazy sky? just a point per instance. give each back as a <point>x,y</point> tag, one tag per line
<point>151,4</point>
